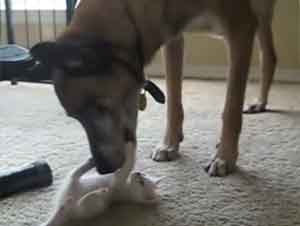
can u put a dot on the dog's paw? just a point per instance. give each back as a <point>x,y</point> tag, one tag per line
<point>255,108</point>
<point>166,153</point>
<point>220,168</point>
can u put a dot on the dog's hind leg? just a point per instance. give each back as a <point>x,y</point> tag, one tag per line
<point>173,55</point>
<point>268,61</point>
<point>240,42</point>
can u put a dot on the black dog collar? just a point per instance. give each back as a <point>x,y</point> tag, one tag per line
<point>155,92</point>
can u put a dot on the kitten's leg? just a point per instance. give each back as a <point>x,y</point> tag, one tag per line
<point>60,214</point>
<point>59,217</point>
<point>93,203</point>
<point>82,169</point>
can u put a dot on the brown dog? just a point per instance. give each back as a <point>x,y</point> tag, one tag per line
<point>98,61</point>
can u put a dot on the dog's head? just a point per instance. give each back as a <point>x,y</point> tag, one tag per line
<point>97,90</point>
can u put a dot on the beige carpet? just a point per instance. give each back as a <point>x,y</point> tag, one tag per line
<point>265,191</point>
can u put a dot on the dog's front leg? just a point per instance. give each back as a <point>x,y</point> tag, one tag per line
<point>173,55</point>
<point>240,49</point>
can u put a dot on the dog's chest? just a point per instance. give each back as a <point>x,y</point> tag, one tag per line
<point>207,22</point>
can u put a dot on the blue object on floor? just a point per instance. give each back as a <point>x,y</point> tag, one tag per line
<point>15,61</point>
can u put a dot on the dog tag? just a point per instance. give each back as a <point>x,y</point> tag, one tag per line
<point>143,101</point>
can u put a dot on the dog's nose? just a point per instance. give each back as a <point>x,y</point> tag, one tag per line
<point>106,166</point>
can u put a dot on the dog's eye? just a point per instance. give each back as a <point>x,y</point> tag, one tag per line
<point>128,135</point>
<point>74,71</point>
<point>103,104</point>
<point>100,108</point>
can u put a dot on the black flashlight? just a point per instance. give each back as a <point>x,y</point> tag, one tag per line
<point>32,176</point>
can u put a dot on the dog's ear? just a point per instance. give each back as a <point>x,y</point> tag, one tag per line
<point>45,52</point>
<point>55,54</point>
<point>76,57</point>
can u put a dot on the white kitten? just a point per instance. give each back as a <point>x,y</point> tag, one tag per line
<point>87,195</point>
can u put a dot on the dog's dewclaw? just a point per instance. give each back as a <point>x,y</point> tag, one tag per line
<point>143,101</point>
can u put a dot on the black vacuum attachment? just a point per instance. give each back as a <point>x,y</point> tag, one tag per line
<point>35,175</point>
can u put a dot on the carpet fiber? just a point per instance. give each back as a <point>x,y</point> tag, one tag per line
<point>265,190</point>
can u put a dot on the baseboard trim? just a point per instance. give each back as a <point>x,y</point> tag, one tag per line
<point>220,73</point>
